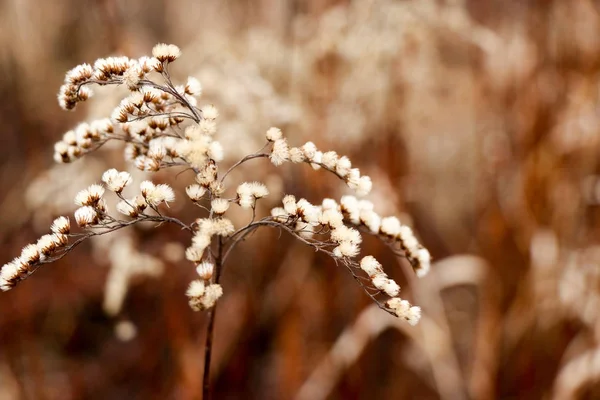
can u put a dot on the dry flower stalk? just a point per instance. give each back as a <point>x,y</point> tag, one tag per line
<point>162,127</point>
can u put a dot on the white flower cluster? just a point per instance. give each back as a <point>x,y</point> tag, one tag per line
<point>382,282</point>
<point>249,192</point>
<point>92,206</point>
<point>34,254</point>
<point>81,140</point>
<point>113,70</point>
<point>308,153</point>
<point>361,213</point>
<point>206,229</point>
<point>202,295</point>
<point>304,218</point>
<point>143,118</point>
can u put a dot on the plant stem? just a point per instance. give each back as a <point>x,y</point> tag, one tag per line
<point>210,327</point>
<point>207,353</point>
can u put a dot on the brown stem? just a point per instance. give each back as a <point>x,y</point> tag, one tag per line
<point>210,328</point>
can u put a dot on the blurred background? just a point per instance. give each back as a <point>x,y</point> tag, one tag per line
<point>477,120</point>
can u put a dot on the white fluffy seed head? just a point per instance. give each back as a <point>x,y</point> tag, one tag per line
<point>258,190</point>
<point>364,186</point>
<point>380,280</point>
<point>331,217</point>
<point>46,244</point>
<point>424,259</point>
<point>408,239</point>
<point>371,220</point>
<point>166,52</point>
<point>274,134</point>
<point>403,309</point>
<point>329,204</point>
<point>30,254</point>
<point>127,208</point>
<point>205,270</point>
<point>391,288</point>
<point>86,216</point>
<point>158,194</point>
<point>343,233</point>
<point>316,160</point>
<point>246,201</point>
<point>201,241</point>
<point>61,225</point>
<point>343,166</point>
<point>297,155</point>
<point>309,149</point>
<point>215,151</point>
<point>210,112</point>
<point>371,266</point>
<point>346,249</point>
<point>194,254</point>
<point>308,212</point>
<point>280,152</point>
<point>219,206</point>
<point>279,214</point>
<point>116,181</point>
<point>89,196</point>
<point>193,87</point>
<point>195,289</point>
<point>329,159</point>
<point>195,192</point>
<point>390,226</point>
<point>223,227</point>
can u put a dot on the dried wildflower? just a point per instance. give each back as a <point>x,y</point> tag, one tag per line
<point>343,166</point>
<point>371,266</point>
<point>207,299</point>
<point>132,76</point>
<point>297,155</point>
<point>219,206</point>
<point>346,249</point>
<point>332,218</point>
<point>195,192</point>
<point>279,214</point>
<point>166,52</point>
<point>403,309</point>
<point>85,216</point>
<point>47,244</point>
<point>195,289</point>
<point>280,152</point>
<point>194,254</point>
<point>390,226</point>
<point>115,180</point>
<point>223,227</point>
<point>30,254</point>
<point>89,196</point>
<point>193,87</point>
<point>150,121</point>
<point>274,134</point>
<point>156,194</point>
<point>210,112</point>
<point>61,225</point>
<point>201,241</point>
<point>205,270</point>
<point>215,151</point>
<point>289,204</point>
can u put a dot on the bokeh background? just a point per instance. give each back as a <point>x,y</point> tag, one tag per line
<point>479,122</point>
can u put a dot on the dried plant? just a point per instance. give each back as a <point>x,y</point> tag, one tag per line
<point>162,127</point>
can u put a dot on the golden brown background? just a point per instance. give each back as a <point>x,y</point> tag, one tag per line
<point>479,122</point>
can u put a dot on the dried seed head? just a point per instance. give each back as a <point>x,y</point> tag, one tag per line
<point>61,225</point>
<point>205,270</point>
<point>166,52</point>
